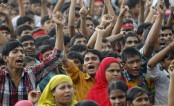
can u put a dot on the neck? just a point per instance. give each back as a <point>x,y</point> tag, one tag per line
<point>15,73</point>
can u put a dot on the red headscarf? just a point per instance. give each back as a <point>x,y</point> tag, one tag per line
<point>99,92</point>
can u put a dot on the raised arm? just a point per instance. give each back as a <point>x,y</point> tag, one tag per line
<point>171,16</point>
<point>57,54</point>
<point>141,12</point>
<point>109,8</point>
<point>44,11</point>
<point>71,18</point>
<point>83,13</point>
<point>100,33</point>
<point>150,15</point>
<point>171,85</point>
<point>119,21</point>
<point>21,8</point>
<point>160,55</point>
<point>154,32</point>
<point>4,9</point>
<point>58,6</point>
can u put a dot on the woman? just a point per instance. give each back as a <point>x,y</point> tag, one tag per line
<point>108,71</point>
<point>58,92</point>
<point>117,93</point>
<point>137,97</point>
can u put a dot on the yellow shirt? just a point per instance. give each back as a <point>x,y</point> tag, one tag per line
<point>83,82</point>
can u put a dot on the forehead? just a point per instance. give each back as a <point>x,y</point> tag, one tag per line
<point>28,41</point>
<point>130,38</point>
<point>113,65</point>
<point>167,31</point>
<point>132,58</point>
<point>17,48</point>
<point>89,54</point>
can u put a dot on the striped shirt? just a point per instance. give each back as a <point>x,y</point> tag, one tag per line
<point>30,77</point>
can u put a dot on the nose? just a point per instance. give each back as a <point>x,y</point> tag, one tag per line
<point>135,65</point>
<point>117,101</point>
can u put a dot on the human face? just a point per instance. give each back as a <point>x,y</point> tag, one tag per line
<point>77,63</point>
<point>36,8</point>
<point>81,41</point>
<point>15,59</point>
<point>113,72</point>
<point>107,47</point>
<point>63,93</point>
<point>25,32</point>
<point>6,33</point>
<point>117,98</point>
<point>166,62</point>
<point>46,54</point>
<point>26,4</point>
<point>167,35</point>
<point>48,25</point>
<point>133,65</point>
<point>128,15</point>
<point>91,63</point>
<point>136,9</point>
<point>90,27</point>
<point>131,42</point>
<point>142,100</point>
<point>98,8</point>
<point>29,48</point>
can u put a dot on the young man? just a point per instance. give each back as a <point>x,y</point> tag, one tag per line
<point>79,39</point>
<point>133,76</point>
<point>131,40</point>
<point>15,81</point>
<point>46,23</point>
<point>157,69</point>
<point>83,81</point>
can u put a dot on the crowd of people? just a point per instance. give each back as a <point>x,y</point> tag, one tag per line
<point>87,53</point>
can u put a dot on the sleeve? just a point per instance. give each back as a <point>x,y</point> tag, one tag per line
<point>45,67</point>
<point>74,72</point>
<point>155,73</point>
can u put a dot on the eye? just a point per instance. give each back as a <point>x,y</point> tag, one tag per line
<point>112,98</point>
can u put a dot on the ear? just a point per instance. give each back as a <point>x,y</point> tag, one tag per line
<point>5,58</point>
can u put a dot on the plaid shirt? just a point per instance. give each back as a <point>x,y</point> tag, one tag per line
<point>146,84</point>
<point>9,94</point>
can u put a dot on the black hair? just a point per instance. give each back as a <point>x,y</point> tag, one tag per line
<point>67,39</point>
<point>75,55</point>
<point>129,52</point>
<point>50,42</point>
<point>73,39</point>
<point>87,103</point>
<point>26,38</point>
<point>165,27</point>
<point>133,93</point>
<point>78,48</point>
<point>95,52</point>
<point>28,59</point>
<point>132,3</point>
<point>42,49</point>
<point>23,19</point>
<point>130,34</point>
<point>4,27</point>
<point>117,85</point>
<point>40,39</point>
<point>21,28</point>
<point>114,54</point>
<point>142,27</point>
<point>44,19</point>
<point>9,46</point>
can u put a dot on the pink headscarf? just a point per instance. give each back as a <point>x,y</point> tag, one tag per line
<point>24,103</point>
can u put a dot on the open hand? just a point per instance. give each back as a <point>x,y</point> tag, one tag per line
<point>107,18</point>
<point>34,96</point>
<point>4,9</point>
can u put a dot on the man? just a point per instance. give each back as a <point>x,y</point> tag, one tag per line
<point>15,81</point>
<point>83,82</point>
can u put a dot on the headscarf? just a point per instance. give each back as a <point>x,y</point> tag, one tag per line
<point>47,97</point>
<point>24,103</point>
<point>99,92</point>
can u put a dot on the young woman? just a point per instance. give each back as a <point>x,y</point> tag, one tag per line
<point>137,97</point>
<point>58,92</point>
<point>108,71</point>
<point>117,93</point>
